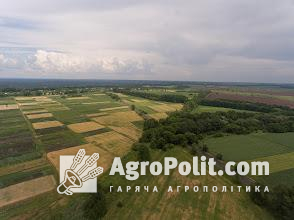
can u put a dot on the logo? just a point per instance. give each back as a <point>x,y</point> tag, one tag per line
<point>78,173</point>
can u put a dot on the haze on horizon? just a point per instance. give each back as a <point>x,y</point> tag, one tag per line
<point>213,40</point>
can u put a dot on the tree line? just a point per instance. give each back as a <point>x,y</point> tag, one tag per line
<point>185,128</point>
<point>176,98</point>
<point>257,107</point>
<point>279,201</point>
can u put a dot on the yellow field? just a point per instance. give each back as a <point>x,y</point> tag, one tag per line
<point>28,103</point>
<point>42,115</point>
<point>85,127</point>
<point>61,108</point>
<point>23,98</point>
<point>121,95</point>
<point>279,162</point>
<point>8,107</point>
<point>112,142</point>
<point>26,190</point>
<point>139,100</point>
<point>34,98</point>
<point>129,131</point>
<point>114,108</point>
<point>98,94</point>
<point>43,99</point>
<point>51,104</point>
<point>34,112</point>
<point>46,124</point>
<point>105,157</point>
<point>118,118</point>
<point>96,114</point>
<point>78,98</point>
<point>158,116</point>
<point>166,107</point>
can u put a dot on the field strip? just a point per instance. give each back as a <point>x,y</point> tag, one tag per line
<point>272,140</point>
<point>121,95</point>
<point>42,115</point>
<point>96,114</point>
<point>114,108</point>
<point>99,94</point>
<point>78,98</point>
<point>105,157</point>
<point>166,107</point>
<point>34,112</point>
<point>47,124</point>
<point>25,190</point>
<point>139,100</point>
<point>130,131</point>
<point>278,162</point>
<point>85,127</point>
<point>22,166</point>
<point>28,103</point>
<point>93,103</point>
<point>112,141</point>
<point>158,116</point>
<point>118,118</point>
<point>23,98</point>
<point>8,107</point>
<point>52,109</point>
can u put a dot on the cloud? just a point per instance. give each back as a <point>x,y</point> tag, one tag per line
<point>6,62</point>
<point>59,62</point>
<point>215,40</point>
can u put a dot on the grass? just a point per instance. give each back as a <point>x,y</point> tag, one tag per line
<point>279,162</point>
<point>25,175</point>
<point>285,177</point>
<point>15,136</point>
<point>202,108</point>
<point>248,147</point>
<point>163,205</point>
<point>30,208</point>
<point>60,140</point>
<point>277,149</point>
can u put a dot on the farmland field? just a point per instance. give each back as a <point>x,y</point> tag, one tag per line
<point>26,189</point>
<point>173,205</point>
<point>251,98</point>
<point>252,146</point>
<point>38,129</point>
<point>35,128</point>
<point>202,108</point>
<point>277,149</point>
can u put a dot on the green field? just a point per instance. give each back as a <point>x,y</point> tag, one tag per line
<point>202,108</point>
<point>22,147</point>
<point>277,149</point>
<point>16,139</point>
<point>285,177</point>
<point>248,147</point>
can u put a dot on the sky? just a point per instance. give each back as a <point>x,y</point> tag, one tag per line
<point>191,40</point>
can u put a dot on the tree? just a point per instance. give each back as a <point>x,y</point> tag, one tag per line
<point>133,107</point>
<point>204,148</point>
<point>195,149</point>
<point>95,207</point>
<point>143,152</point>
<point>219,156</point>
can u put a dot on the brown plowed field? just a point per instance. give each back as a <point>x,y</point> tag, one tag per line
<point>255,99</point>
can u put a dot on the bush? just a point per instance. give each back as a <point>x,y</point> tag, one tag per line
<point>95,207</point>
<point>219,156</point>
<point>143,152</point>
<point>119,204</point>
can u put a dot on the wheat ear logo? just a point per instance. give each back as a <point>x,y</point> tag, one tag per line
<point>78,173</point>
